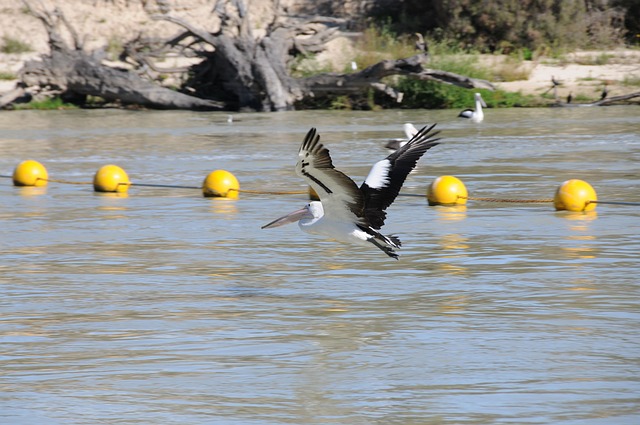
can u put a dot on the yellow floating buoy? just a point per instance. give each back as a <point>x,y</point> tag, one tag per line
<point>221,184</point>
<point>447,190</point>
<point>111,178</point>
<point>575,195</point>
<point>30,173</point>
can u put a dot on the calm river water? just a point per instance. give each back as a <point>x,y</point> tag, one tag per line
<point>163,307</point>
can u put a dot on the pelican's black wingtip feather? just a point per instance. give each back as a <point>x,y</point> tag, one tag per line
<point>311,139</point>
<point>422,141</point>
<point>426,134</point>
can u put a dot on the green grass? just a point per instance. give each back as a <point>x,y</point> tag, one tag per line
<point>379,42</point>
<point>341,103</point>
<point>434,95</point>
<point>460,64</point>
<point>13,45</point>
<point>306,65</point>
<point>601,59</point>
<point>114,48</point>
<point>631,80</point>
<point>6,75</point>
<point>582,98</point>
<point>47,105</point>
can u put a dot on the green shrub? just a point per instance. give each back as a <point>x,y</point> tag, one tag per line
<point>434,95</point>
<point>379,42</point>
<point>341,103</point>
<point>6,75</point>
<point>631,80</point>
<point>460,64</point>
<point>506,25</point>
<point>12,45</point>
<point>47,104</point>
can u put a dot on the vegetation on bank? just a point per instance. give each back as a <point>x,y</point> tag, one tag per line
<point>12,45</point>
<point>502,26</point>
<point>459,51</point>
<point>50,104</point>
<point>381,42</point>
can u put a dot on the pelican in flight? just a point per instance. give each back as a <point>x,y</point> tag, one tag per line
<point>476,115</point>
<point>346,212</point>
<point>409,130</point>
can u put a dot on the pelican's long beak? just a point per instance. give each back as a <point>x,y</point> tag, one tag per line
<point>484,105</point>
<point>289,218</point>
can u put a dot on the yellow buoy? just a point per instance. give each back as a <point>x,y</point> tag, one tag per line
<point>575,195</point>
<point>447,190</point>
<point>221,184</point>
<point>111,178</point>
<point>30,173</point>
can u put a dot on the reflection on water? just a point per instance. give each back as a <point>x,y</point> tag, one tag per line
<point>223,207</point>
<point>29,191</point>
<point>162,306</point>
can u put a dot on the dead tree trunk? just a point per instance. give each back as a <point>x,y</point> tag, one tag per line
<point>253,73</point>
<point>77,74</point>
<point>246,72</point>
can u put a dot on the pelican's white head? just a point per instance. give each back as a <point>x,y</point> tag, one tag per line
<point>307,215</point>
<point>478,115</point>
<point>410,130</point>
<point>480,100</point>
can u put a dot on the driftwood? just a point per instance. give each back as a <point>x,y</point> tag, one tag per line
<point>616,99</point>
<point>239,70</point>
<point>604,102</point>
<point>17,95</point>
<point>77,74</point>
<point>370,77</point>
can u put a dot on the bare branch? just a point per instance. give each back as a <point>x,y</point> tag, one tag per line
<point>616,99</point>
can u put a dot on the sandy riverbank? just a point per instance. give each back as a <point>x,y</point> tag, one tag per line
<point>582,73</point>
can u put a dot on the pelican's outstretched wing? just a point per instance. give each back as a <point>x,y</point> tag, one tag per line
<point>339,194</point>
<point>382,185</point>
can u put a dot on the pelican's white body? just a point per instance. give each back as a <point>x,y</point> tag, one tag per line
<point>476,115</point>
<point>409,131</point>
<point>316,223</point>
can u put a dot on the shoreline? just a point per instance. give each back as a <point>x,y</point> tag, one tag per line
<point>581,73</point>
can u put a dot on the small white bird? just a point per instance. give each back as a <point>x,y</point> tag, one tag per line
<point>345,211</point>
<point>409,131</point>
<point>477,115</point>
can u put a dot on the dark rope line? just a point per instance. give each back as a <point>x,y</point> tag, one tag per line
<point>614,203</point>
<point>170,186</point>
<point>300,192</point>
<point>525,201</point>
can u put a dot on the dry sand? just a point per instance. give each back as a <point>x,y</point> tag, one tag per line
<point>100,22</point>
<point>580,74</point>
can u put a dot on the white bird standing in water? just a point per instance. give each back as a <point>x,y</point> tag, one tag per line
<point>476,115</point>
<point>409,131</point>
<point>346,212</point>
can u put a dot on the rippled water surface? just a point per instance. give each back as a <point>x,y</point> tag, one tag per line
<point>164,307</point>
